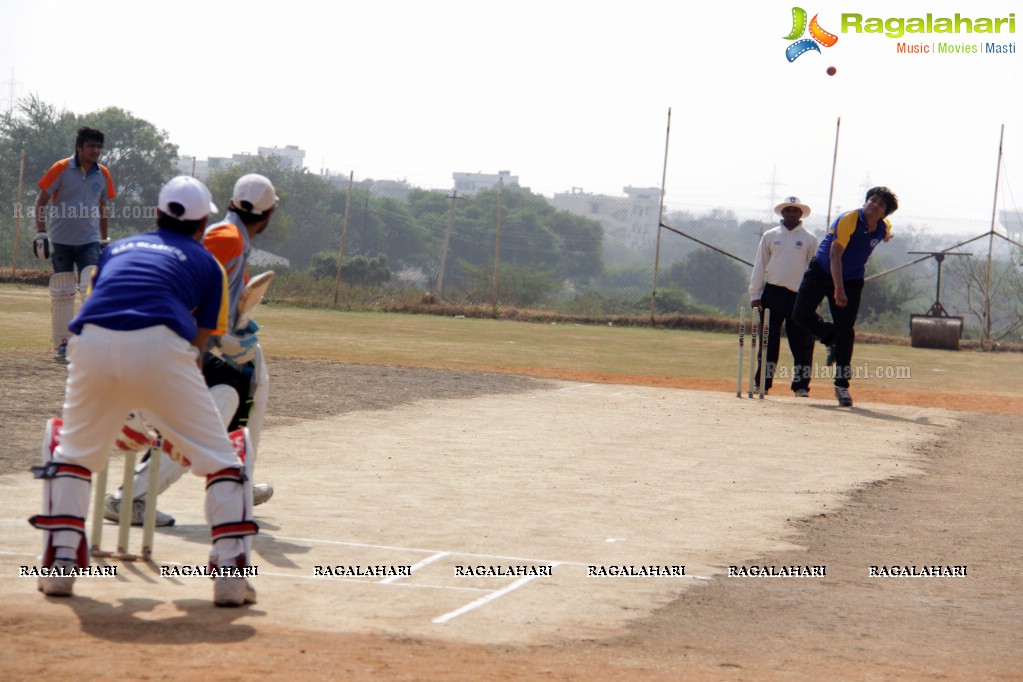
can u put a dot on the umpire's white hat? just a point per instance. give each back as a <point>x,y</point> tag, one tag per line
<point>792,201</point>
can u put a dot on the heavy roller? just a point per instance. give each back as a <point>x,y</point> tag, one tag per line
<point>936,328</point>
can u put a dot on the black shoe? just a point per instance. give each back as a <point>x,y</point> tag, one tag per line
<point>844,399</point>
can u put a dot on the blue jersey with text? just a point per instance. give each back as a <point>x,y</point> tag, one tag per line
<point>158,278</point>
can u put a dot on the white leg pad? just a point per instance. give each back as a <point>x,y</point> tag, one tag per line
<point>229,509</point>
<point>65,501</point>
<point>84,280</point>
<point>226,400</point>
<point>63,287</point>
<point>260,395</point>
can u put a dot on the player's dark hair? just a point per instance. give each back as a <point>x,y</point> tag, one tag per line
<point>169,222</point>
<point>887,196</point>
<point>87,134</point>
<point>247,217</point>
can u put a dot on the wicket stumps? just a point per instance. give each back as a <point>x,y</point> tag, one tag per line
<point>754,333</point>
<point>126,510</point>
<point>742,331</point>
<point>762,355</point>
<point>757,346</point>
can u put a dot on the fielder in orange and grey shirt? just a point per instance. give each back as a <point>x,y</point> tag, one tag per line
<point>73,195</point>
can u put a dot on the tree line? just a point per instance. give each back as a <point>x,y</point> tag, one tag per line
<point>546,258</point>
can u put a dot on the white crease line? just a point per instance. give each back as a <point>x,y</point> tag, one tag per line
<point>425,562</point>
<point>370,582</point>
<point>419,586</point>
<point>451,615</point>
<point>425,551</point>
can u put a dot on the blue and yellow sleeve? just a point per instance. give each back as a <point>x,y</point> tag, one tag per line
<point>845,227</point>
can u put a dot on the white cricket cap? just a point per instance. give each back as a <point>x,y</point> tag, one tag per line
<point>186,198</point>
<point>253,193</point>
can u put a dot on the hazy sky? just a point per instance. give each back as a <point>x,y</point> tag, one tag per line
<point>562,93</point>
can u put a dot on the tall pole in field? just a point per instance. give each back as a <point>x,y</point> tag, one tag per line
<point>17,214</point>
<point>497,246</point>
<point>447,243</point>
<point>660,223</point>
<point>990,243</point>
<point>344,233</point>
<point>834,164</point>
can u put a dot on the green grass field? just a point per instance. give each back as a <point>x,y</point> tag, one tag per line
<point>644,355</point>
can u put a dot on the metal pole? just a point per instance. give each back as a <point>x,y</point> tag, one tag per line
<point>17,214</point>
<point>834,164</point>
<point>447,243</point>
<point>344,233</point>
<point>660,222</point>
<point>990,242</point>
<point>497,245</point>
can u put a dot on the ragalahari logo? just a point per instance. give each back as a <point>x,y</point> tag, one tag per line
<point>817,35</point>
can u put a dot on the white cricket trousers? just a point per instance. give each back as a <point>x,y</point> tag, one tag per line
<point>111,373</point>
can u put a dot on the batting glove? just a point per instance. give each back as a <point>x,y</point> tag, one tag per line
<point>41,246</point>
<point>239,347</point>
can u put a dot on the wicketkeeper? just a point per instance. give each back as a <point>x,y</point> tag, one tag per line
<point>156,300</point>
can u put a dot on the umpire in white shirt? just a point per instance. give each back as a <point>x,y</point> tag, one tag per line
<point>784,253</point>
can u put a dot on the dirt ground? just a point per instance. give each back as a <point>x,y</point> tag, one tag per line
<point>957,502</point>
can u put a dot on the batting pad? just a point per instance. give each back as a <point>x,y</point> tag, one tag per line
<point>65,501</point>
<point>85,281</point>
<point>63,287</point>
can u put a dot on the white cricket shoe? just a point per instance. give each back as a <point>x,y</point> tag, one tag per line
<point>233,591</point>
<point>261,492</point>
<point>112,512</point>
<point>58,585</point>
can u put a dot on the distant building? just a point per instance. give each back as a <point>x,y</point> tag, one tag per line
<point>189,165</point>
<point>630,221</point>
<point>291,157</point>
<point>398,190</point>
<point>470,183</point>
